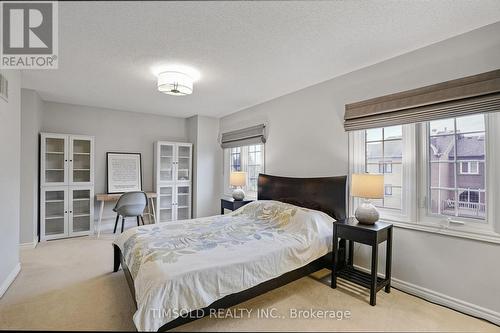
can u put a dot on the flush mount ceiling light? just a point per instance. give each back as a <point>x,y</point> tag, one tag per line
<point>177,81</point>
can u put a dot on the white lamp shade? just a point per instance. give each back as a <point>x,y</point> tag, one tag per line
<point>175,83</point>
<point>238,178</point>
<point>369,186</point>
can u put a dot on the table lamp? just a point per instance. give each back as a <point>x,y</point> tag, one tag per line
<point>238,179</point>
<point>367,186</point>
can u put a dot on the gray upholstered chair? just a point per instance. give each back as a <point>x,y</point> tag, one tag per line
<point>130,204</point>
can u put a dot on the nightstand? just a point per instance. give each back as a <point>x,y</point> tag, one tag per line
<point>231,204</point>
<point>372,235</point>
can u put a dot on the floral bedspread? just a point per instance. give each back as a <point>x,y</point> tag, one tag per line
<point>186,265</point>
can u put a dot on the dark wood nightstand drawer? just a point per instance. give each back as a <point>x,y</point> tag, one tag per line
<point>359,236</point>
<point>367,237</point>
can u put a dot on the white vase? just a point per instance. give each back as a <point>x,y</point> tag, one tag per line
<point>366,213</point>
<point>238,194</point>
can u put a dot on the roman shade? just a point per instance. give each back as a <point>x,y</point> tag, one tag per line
<point>473,94</point>
<point>244,137</point>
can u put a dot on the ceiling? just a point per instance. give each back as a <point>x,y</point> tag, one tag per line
<point>247,52</point>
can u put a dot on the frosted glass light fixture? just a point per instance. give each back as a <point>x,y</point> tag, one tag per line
<point>175,83</point>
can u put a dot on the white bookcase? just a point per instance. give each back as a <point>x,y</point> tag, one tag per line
<point>66,185</point>
<point>173,180</point>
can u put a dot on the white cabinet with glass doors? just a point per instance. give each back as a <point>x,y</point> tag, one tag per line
<point>66,185</point>
<point>173,179</point>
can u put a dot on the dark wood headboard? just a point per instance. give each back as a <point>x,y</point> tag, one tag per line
<point>327,194</point>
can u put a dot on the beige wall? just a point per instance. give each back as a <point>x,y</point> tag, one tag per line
<point>10,147</point>
<point>31,112</point>
<point>207,165</point>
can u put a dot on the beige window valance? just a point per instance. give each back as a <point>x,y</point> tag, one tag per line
<point>244,137</point>
<point>473,94</point>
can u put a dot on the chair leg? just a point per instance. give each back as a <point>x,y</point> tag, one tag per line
<point>138,223</point>
<point>123,222</point>
<point>116,222</point>
<point>142,219</point>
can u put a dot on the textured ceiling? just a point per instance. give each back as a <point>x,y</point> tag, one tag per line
<point>247,52</point>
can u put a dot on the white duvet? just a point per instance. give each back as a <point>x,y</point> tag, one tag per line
<point>186,265</point>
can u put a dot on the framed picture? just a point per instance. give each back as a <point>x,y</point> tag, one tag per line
<point>123,172</point>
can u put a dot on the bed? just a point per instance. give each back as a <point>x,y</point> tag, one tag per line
<point>180,271</point>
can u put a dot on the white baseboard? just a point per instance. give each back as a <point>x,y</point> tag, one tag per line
<point>444,300</point>
<point>10,278</point>
<point>30,245</point>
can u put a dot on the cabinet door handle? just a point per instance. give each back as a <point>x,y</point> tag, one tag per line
<point>65,212</point>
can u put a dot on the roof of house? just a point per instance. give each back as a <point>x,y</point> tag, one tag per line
<point>468,146</point>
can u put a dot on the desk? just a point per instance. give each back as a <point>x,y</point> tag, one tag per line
<point>104,197</point>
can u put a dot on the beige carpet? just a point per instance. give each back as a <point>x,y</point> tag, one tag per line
<point>68,285</point>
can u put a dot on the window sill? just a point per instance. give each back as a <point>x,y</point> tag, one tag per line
<point>483,236</point>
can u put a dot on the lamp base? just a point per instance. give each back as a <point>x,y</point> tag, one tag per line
<point>238,194</point>
<point>366,213</point>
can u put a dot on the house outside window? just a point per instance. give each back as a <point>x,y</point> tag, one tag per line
<point>384,154</point>
<point>385,167</point>
<point>444,183</point>
<point>387,190</point>
<point>457,167</point>
<point>469,168</point>
<point>235,159</point>
<point>469,197</point>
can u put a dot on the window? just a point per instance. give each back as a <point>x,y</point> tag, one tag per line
<point>254,166</point>
<point>235,159</point>
<point>385,167</point>
<point>247,158</point>
<point>388,190</point>
<point>456,167</point>
<point>435,173</point>
<point>469,197</point>
<point>469,168</point>
<point>384,154</point>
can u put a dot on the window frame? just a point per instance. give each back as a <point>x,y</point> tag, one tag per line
<point>487,229</point>
<point>469,164</point>
<point>231,157</point>
<point>461,223</point>
<point>414,200</point>
<point>228,190</point>
<point>469,192</point>
<point>357,164</point>
<point>387,190</point>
